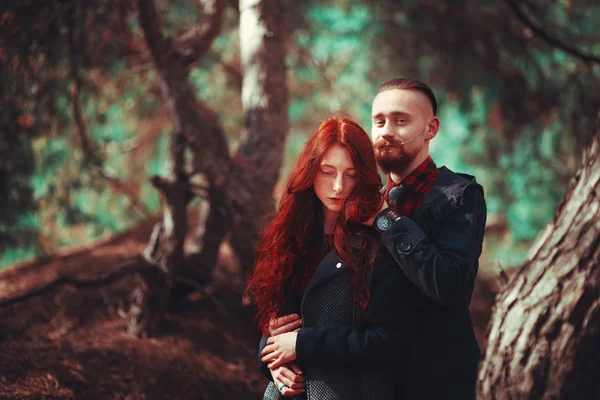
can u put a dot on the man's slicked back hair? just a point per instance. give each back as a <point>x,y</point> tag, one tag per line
<point>406,84</point>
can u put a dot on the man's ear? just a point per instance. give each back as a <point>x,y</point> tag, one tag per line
<point>432,128</point>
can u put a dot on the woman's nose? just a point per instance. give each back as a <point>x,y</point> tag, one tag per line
<point>338,184</point>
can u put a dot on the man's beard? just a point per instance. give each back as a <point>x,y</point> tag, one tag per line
<point>392,156</point>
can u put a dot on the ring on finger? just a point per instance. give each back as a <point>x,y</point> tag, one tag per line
<point>282,386</point>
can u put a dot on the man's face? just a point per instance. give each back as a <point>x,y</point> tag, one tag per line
<point>401,127</point>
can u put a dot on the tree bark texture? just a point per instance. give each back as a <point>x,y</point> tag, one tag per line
<point>166,246</point>
<point>544,340</point>
<point>264,99</point>
<point>239,187</point>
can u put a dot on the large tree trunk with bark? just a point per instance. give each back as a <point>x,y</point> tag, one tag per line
<point>545,331</point>
<point>240,186</point>
<point>264,98</point>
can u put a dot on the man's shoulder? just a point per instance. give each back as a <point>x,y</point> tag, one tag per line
<point>449,191</point>
<point>449,181</point>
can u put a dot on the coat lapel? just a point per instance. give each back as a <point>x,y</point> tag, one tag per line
<point>331,264</point>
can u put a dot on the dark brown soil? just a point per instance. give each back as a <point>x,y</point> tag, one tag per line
<point>72,343</point>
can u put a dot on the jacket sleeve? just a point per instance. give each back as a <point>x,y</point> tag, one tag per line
<point>262,366</point>
<point>442,270</point>
<point>386,337</point>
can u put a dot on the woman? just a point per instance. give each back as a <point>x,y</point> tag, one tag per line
<point>316,258</point>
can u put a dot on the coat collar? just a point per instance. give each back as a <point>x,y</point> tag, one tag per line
<point>447,192</point>
<point>331,264</point>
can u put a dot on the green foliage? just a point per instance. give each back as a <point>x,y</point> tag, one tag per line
<point>515,111</point>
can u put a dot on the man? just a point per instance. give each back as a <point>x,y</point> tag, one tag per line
<point>434,229</point>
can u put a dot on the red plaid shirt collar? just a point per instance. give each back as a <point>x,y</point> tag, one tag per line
<point>417,184</point>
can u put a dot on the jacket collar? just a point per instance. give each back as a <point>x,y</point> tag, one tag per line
<point>331,264</point>
<point>447,192</point>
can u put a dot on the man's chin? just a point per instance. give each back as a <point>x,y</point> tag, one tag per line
<point>391,162</point>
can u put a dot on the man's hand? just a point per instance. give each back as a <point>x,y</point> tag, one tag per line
<point>291,376</point>
<point>280,349</point>
<point>369,222</point>
<point>284,324</point>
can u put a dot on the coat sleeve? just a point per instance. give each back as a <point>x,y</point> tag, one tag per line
<point>262,366</point>
<point>442,270</point>
<point>386,337</point>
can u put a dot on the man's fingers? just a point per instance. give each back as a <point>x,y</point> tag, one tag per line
<point>286,319</point>
<point>276,362</point>
<point>294,367</point>
<point>286,328</point>
<point>268,349</point>
<point>275,323</point>
<point>269,357</point>
<point>293,378</point>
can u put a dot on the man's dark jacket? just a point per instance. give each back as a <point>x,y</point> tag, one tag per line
<point>350,354</point>
<point>438,249</point>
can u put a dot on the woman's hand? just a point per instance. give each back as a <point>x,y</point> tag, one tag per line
<point>280,349</point>
<point>291,376</point>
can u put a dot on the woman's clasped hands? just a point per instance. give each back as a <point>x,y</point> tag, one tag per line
<point>280,353</point>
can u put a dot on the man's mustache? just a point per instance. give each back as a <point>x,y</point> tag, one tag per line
<point>394,143</point>
<point>380,144</point>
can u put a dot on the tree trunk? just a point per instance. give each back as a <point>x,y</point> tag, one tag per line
<point>545,330</point>
<point>240,187</point>
<point>165,249</point>
<point>264,98</point>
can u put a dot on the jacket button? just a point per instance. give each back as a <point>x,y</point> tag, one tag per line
<point>405,246</point>
<point>338,265</point>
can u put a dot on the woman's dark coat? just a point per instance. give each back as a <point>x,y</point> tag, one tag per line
<point>347,353</point>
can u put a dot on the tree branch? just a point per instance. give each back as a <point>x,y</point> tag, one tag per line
<point>121,187</point>
<point>151,27</point>
<point>195,43</point>
<point>587,58</point>
<point>133,266</point>
<point>77,84</point>
<point>94,161</point>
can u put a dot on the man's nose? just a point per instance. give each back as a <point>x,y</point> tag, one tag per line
<point>387,134</point>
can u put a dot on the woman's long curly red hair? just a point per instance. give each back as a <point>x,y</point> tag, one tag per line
<point>289,237</point>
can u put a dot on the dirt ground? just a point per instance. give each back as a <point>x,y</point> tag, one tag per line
<point>72,343</point>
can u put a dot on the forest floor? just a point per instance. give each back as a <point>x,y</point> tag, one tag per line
<point>71,343</point>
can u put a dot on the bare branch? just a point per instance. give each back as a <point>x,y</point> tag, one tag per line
<point>121,187</point>
<point>77,83</point>
<point>150,23</point>
<point>195,43</point>
<point>94,161</point>
<point>128,267</point>
<point>133,45</point>
<point>587,58</point>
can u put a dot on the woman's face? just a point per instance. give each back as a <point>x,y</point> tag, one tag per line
<point>336,178</point>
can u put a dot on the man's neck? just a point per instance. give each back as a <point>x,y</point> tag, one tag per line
<point>399,176</point>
